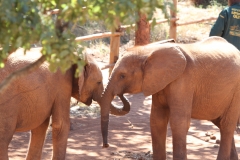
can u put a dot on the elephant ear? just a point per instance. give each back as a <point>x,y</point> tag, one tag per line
<point>81,80</point>
<point>162,67</point>
<point>85,72</point>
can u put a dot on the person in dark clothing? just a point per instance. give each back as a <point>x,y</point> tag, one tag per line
<point>227,24</point>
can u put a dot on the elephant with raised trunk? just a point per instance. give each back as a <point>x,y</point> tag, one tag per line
<point>199,80</point>
<point>28,102</point>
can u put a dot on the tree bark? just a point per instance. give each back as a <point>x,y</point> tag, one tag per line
<point>142,34</point>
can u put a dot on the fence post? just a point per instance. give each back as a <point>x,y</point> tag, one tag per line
<point>114,50</point>
<point>173,25</point>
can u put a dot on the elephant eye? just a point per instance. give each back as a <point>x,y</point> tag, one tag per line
<point>122,76</point>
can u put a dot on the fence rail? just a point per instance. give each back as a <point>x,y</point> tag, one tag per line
<point>115,37</point>
<point>98,36</point>
<point>197,21</point>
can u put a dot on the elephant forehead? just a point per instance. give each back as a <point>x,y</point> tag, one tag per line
<point>95,72</point>
<point>125,66</point>
<point>134,58</point>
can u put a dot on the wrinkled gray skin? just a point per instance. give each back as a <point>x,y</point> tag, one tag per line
<point>199,80</point>
<point>29,102</point>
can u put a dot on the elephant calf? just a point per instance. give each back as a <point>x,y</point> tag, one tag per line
<point>28,102</point>
<point>199,80</point>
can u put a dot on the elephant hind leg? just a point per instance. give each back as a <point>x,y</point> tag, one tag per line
<point>37,140</point>
<point>4,142</point>
<point>6,133</point>
<point>233,154</point>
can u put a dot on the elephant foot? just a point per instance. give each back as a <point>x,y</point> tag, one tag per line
<point>105,145</point>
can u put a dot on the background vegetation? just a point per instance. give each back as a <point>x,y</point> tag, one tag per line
<point>24,23</point>
<point>186,11</point>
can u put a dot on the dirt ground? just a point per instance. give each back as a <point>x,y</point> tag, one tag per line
<point>129,137</point>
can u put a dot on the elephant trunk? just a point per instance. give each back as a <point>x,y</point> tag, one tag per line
<point>106,108</point>
<point>104,129</point>
<point>105,105</point>
<point>117,111</point>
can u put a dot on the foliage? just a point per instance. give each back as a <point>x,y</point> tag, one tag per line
<point>206,3</point>
<point>25,22</point>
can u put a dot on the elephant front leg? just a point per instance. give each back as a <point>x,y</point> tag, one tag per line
<point>59,138</point>
<point>158,120</point>
<point>60,130</point>
<point>179,123</point>
<point>37,140</point>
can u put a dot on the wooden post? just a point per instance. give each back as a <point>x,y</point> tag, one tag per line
<point>114,50</point>
<point>173,25</point>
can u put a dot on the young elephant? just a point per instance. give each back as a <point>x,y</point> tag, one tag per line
<point>199,80</point>
<point>28,102</point>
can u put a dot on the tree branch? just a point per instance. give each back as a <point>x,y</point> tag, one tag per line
<point>20,73</point>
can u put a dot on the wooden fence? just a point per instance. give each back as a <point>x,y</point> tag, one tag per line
<point>115,37</point>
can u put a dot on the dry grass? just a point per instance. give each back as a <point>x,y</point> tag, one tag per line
<point>186,12</point>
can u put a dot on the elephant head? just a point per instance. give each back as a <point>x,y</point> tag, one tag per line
<point>89,86</point>
<point>146,69</point>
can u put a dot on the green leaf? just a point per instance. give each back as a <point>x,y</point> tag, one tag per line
<point>64,53</point>
<point>96,9</point>
<point>53,2</point>
<point>1,65</point>
<point>25,22</point>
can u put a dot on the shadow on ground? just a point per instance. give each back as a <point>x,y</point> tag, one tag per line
<point>127,134</point>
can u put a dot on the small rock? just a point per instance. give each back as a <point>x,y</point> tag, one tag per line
<point>218,141</point>
<point>215,146</point>
<point>212,137</point>
<point>207,133</point>
<point>112,153</point>
<point>206,140</point>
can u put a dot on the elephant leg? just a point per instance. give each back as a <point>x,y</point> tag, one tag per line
<point>7,129</point>
<point>60,129</point>
<point>158,121</point>
<point>180,118</point>
<point>37,140</point>
<point>5,138</point>
<point>233,154</point>
<point>179,123</point>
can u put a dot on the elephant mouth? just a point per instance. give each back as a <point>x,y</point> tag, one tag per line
<point>88,102</point>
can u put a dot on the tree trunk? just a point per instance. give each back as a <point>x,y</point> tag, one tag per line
<point>142,35</point>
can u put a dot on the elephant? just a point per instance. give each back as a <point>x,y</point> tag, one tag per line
<point>200,80</point>
<point>30,101</point>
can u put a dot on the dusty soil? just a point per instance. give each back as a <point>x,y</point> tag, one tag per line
<point>129,136</point>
